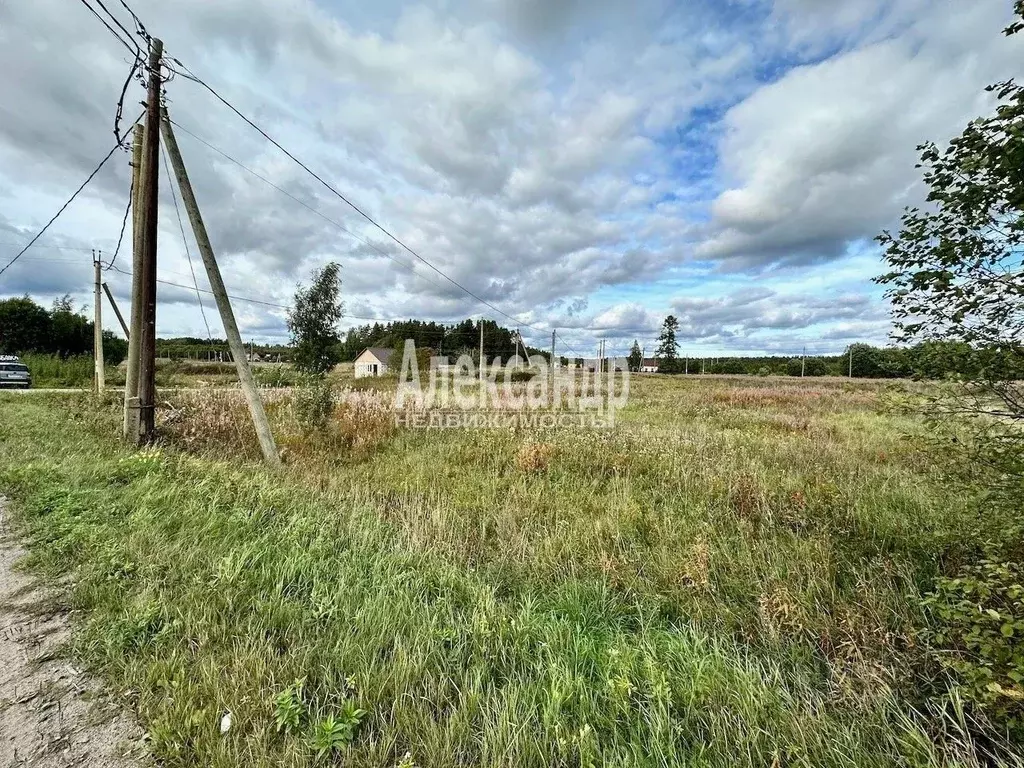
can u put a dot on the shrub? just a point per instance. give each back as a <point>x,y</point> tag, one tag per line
<point>314,404</point>
<point>976,633</point>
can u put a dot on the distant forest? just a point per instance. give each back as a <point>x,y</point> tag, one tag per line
<point>62,330</point>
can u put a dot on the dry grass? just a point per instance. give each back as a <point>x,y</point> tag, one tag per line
<point>728,577</point>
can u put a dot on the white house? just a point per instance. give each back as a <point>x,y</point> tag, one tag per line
<point>373,361</point>
<point>649,365</point>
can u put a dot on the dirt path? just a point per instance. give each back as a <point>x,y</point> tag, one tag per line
<point>51,713</point>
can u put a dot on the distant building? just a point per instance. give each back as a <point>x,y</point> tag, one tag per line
<point>373,361</point>
<point>649,365</point>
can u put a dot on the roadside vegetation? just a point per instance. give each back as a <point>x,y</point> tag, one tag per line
<point>738,574</point>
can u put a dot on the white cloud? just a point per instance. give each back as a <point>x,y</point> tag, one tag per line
<point>826,155</point>
<point>556,158</point>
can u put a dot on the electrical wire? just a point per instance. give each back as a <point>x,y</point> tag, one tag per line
<point>124,224</point>
<point>307,206</point>
<point>136,51</point>
<point>65,206</point>
<point>184,240</point>
<point>188,75</point>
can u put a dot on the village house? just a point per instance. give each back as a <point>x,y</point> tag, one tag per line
<point>373,361</point>
<point>649,365</point>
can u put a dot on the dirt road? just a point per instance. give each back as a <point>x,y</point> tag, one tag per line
<point>51,714</point>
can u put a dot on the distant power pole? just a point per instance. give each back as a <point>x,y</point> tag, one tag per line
<point>851,361</point>
<point>97,339</point>
<point>481,352</point>
<point>803,361</point>
<point>552,365</point>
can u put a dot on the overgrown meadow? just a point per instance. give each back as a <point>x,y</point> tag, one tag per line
<point>734,575</point>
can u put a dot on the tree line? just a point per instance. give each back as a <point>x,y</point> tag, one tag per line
<point>929,359</point>
<point>62,330</point>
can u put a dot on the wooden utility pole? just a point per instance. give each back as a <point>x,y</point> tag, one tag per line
<point>227,316</point>
<point>130,426</point>
<point>803,362</point>
<point>552,388</point>
<point>481,352</point>
<point>851,361</point>
<point>117,312</point>
<point>149,205</point>
<point>97,337</point>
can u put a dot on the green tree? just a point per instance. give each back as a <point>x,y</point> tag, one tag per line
<point>636,357</point>
<point>313,322</point>
<point>956,275</point>
<point>70,330</point>
<point>24,327</point>
<point>668,347</point>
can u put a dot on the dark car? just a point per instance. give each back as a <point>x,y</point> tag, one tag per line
<point>14,373</point>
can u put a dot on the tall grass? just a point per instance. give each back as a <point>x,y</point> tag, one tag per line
<point>55,371</point>
<point>730,577</point>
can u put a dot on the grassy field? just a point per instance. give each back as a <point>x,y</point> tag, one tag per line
<point>730,577</point>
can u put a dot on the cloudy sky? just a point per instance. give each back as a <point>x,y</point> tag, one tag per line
<point>585,165</point>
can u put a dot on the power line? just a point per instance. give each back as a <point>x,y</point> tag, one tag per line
<point>305,205</point>
<point>187,74</point>
<point>184,241</point>
<point>64,207</point>
<point>136,51</point>
<point>124,224</point>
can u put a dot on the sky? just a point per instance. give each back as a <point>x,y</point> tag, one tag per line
<point>589,166</point>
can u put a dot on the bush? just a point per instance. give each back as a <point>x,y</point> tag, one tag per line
<point>976,633</point>
<point>314,404</point>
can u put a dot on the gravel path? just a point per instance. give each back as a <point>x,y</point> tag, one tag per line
<point>51,713</point>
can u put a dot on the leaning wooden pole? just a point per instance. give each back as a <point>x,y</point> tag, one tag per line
<point>130,427</point>
<point>117,311</point>
<point>149,203</point>
<point>227,315</point>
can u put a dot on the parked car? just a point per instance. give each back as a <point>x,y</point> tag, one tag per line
<point>14,373</point>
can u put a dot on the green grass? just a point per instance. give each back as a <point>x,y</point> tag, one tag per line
<point>731,577</point>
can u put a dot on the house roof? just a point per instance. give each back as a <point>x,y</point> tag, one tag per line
<point>383,354</point>
<point>650,362</point>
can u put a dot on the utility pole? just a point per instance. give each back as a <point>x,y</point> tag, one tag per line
<point>803,361</point>
<point>97,338</point>
<point>130,427</point>
<point>227,316</point>
<point>851,361</point>
<point>117,311</point>
<point>481,353</point>
<point>148,200</point>
<point>552,361</point>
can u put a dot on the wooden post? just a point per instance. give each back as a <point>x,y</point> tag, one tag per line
<point>130,426</point>
<point>148,200</point>
<point>552,389</point>
<point>97,337</point>
<point>851,361</point>
<point>227,316</point>
<point>803,361</point>
<point>117,312</point>
<point>481,352</point>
